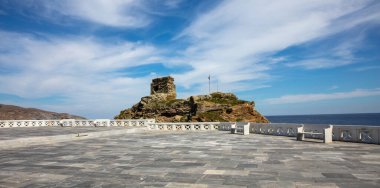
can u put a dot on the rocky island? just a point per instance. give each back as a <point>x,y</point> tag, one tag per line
<point>163,106</point>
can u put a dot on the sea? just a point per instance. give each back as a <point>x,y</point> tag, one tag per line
<point>334,119</point>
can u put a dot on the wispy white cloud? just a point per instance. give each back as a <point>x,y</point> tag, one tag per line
<point>319,63</point>
<point>343,53</point>
<point>172,3</point>
<point>232,40</point>
<point>366,68</point>
<point>113,13</point>
<point>79,68</point>
<point>333,87</point>
<point>119,13</point>
<point>304,98</point>
<point>330,56</point>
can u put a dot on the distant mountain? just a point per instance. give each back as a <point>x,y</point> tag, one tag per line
<point>10,112</point>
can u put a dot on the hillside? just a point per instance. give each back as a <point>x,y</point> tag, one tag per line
<point>164,107</point>
<point>10,112</point>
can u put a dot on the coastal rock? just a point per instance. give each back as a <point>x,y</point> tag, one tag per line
<point>164,107</point>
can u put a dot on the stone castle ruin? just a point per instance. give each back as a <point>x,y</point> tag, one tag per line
<point>163,106</point>
<point>165,87</point>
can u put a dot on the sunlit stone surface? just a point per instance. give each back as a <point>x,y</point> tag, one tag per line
<point>182,159</point>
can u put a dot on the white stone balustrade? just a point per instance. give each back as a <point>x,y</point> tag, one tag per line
<point>102,123</point>
<point>243,128</point>
<point>322,132</point>
<point>346,133</point>
<point>278,129</point>
<point>28,123</point>
<point>185,126</point>
<point>355,133</point>
<point>75,123</point>
<point>226,126</point>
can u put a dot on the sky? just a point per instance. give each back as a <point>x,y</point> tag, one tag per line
<point>95,58</point>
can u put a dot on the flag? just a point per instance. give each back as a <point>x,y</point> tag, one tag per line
<point>208,77</point>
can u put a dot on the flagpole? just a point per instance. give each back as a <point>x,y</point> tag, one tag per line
<point>209,88</point>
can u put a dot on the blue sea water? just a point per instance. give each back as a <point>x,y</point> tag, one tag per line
<point>334,119</point>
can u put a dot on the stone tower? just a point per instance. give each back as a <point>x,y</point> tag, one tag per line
<point>163,86</point>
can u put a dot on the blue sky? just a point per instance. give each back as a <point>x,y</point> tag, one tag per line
<point>96,57</point>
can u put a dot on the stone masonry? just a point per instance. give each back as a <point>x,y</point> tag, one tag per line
<point>164,85</point>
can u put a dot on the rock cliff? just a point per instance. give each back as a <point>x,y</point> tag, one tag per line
<point>162,106</point>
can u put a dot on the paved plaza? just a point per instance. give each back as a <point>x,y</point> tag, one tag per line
<point>184,159</point>
<point>9,134</point>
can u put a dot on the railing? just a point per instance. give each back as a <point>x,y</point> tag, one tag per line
<point>355,133</point>
<point>346,133</point>
<point>28,123</point>
<point>185,126</point>
<point>278,129</point>
<point>75,123</point>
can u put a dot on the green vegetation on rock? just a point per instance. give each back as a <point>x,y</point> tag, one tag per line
<point>162,106</point>
<point>225,98</point>
<point>215,107</point>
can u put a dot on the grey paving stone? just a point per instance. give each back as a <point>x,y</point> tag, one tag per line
<point>339,175</point>
<point>241,181</point>
<point>213,159</point>
<point>357,184</point>
<point>183,175</point>
<point>247,166</point>
<point>12,133</point>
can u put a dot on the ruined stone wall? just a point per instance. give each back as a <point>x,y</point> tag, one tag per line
<point>164,85</point>
<point>163,106</point>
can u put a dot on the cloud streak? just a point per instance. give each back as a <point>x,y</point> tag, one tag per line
<point>305,98</point>
<point>79,68</point>
<point>120,14</point>
<point>330,56</point>
<point>232,40</point>
<point>110,13</point>
<point>235,42</point>
<point>117,13</point>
